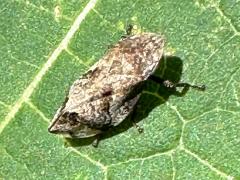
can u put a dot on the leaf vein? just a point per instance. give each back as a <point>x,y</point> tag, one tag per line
<point>97,163</point>
<point>229,21</point>
<point>228,82</point>
<point>4,104</point>
<point>174,108</point>
<point>76,57</point>
<point>206,163</point>
<point>203,114</point>
<point>211,55</point>
<point>173,167</point>
<point>63,45</point>
<point>168,153</point>
<point>13,159</point>
<point>25,62</point>
<point>41,8</point>
<point>236,95</point>
<point>39,112</point>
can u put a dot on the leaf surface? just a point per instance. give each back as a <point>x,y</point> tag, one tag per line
<point>46,45</point>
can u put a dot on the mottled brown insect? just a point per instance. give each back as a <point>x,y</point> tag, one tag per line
<point>99,99</point>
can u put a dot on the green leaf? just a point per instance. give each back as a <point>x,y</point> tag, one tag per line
<point>46,45</point>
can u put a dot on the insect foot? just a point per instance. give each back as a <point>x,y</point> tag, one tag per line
<point>128,32</point>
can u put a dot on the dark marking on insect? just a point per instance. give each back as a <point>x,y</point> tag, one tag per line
<point>102,98</point>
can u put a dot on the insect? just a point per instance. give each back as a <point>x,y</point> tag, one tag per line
<point>101,99</point>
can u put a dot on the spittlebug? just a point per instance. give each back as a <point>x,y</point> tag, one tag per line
<point>100,98</point>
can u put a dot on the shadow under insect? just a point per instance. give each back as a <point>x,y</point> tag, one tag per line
<point>153,93</point>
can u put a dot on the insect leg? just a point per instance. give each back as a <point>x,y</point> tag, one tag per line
<point>129,29</point>
<point>170,84</point>
<point>156,79</point>
<point>97,140</point>
<point>99,136</point>
<point>173,86</point>
<point>140,129</point>
<point>185,86</point>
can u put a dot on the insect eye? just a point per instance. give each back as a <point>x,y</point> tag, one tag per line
<point>72,115</point>
<point>73,118</point>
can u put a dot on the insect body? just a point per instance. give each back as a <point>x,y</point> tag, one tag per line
<point>99,99</point>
